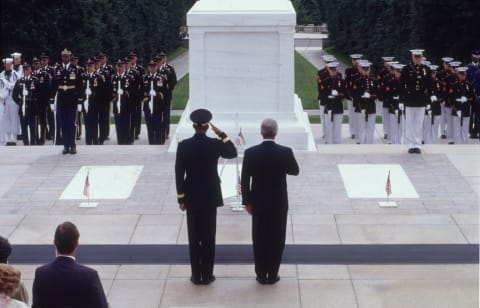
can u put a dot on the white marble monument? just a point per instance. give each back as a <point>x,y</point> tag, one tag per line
<point>242,70</point>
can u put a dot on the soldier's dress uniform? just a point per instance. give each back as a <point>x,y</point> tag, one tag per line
<point>105,108</point>
<point>364,94</point>
<point>138,72</point>
<point>383,77</point>
<point>416,82</point>
<point>123,106</point>
<point>80,113</point>
<point>473,69</point>
<point>463,97</point>
<point>198,188</point>
<point>450,82</point>
<point>431,124</point>
<point>43,99</point>
<point>48,72</point>
<point>168,73</point>
<point>332,90</point>
<point>67,85</point>
<point>28,86</point>
<point>93,103</point>
<point>397,116</point>
<point>351,74</point>
<point>155,119</point>
<point>10,118</point>
<point>322,74</point>
<point>443,74</point>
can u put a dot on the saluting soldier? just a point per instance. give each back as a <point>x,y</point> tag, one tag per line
<point>199,191</point>
<point>463,96</point>
<point>25,95</point>
<point>67,86</point>
<point>123,103</point>
<point>351,74</point>
<point>94,84</point>
<point>383,77</point>
<point>332,91</point>
<point>364,93</point>
<point>154,105</point>
<point>433,111</point>
<point>392,96</point>
<point>168,73</point>
<point>416,82</point>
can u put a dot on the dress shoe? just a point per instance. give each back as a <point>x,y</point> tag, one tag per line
<point>65,151</point>
<point>443,136</point>
<point>385,136</point>
<point>412,150</point>
<point>73,151</point>
<point>195,281</point>
<point>274,280</point>
<point>136,137</point>
<point>353,136</point>
<point>418,151</point>
<point>208,280</point>
<point>451,142</point>
<point>261,280</point>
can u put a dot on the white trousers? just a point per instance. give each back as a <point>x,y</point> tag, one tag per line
<point>397,130</point>
<point>385,121</point>
<point>430,131</point>
<point>322,117</point>
<point>443,119</point>
<point>460,132</point>
<point>333,129</point>
<point>351,117</point>
<point>414,117</point>
<point>365,128</point>
<point>449,120</point>
<point>2,129</point>
<point>11,120</point>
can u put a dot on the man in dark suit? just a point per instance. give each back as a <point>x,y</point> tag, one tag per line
<point>199,192</point>
<point>65,283</point>
<point>264,192</point>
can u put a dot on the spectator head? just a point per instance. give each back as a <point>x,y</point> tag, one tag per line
<point>66,238</point>
<point>5,250</point>
<point>9,279</point>
<point>269,128</point>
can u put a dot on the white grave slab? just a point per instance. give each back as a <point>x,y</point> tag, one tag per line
<point>242,69</point>
<point>106,182</point>
<point>369,181</point>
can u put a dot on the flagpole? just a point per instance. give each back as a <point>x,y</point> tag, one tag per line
<point>389,185</point>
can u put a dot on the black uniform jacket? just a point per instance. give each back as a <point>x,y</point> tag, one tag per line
<point>264,176</point>
<point>196,173</point>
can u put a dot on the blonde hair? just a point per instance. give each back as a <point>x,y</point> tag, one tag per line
<point>9,279</point>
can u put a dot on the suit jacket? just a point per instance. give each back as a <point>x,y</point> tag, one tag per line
<point>66,284</point>
<point>264,176</point>
<point>196,174</point>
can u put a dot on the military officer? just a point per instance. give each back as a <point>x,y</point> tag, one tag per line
<point>383,77</point>
<point>472,70</point>
<point>323,74</point>
<point>78,120</point>
<point>443,75</point>
<point>199,192</point>
<point>416,82</point>
<point>43,98</point>
<point>463,97</point>
<point>10,119</point>
<point>94,85</point>
<point>139,73</point>
<point>49,71</point>
<point>450,82</point>
<point>351,74</point>
<point>397,116</point>
<point>433,110</point>
<point>25,94</point>
<point>364,94</point>
<point>105,109</point>
<point>67,85</point>
<point>154,104</point>
<point>168,73</point>
<point>123,103</point>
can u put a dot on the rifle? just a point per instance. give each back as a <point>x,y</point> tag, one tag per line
<point>150,104</point>
<point>55,119</point>
<point>119,90</point>
<point>86,103</point>
<point>24,108</point>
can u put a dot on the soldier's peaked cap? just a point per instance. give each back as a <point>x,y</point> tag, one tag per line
<point>26,65</point>
<point>44,55</point>
<point>35,60</point>
<point>200,117</point>
<point>66,52</point>
<point>476,53</point>
<point>120,62</point>
<point>417,52</point>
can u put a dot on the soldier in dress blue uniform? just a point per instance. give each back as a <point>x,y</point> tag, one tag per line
<point>416,82</point>
<point>322,74</point>
<point>383,77</point>
<point>463,97</point>
<point>138,73</point>
<point>26,90</point>
<point>48,72</point>
<point>168,73</point>
<point>364,94</point>
<point>43,97</point>
<point>443,75</point>
<point>123,103</point>
<point>78,120</point>
<point>473,69</point>
<point>67,85</point>
<point>433,110</point>
<point>392,96</point>
<point>105,109</point>
<point>94,84</point>
<point>351,74</point>
<point>154,105</point>
<point>199,192</point>
<point>450,82</point>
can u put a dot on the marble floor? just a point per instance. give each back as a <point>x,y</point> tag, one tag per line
<point>445,178</point>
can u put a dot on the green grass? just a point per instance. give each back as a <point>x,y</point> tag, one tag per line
<point>345,59</point>
<point>180,93</point>
<point>176,53</point>
<point>305,82</point>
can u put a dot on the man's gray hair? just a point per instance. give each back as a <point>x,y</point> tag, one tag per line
<point>269,128</point>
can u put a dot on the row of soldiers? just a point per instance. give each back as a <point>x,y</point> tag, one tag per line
<point>50,101</point>
<point>417,99</point>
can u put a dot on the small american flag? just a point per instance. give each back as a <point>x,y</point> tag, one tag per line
<point>388,186</point>
<point>240,139</point>
<point>86,187</point>
<point>239,186</point>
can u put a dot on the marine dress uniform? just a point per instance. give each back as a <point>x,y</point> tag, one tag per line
<point>199,192</point>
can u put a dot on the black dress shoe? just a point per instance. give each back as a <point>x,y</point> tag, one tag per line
<point>208,280</point>
<point>196,281</point>
<point>451,142</point>
<point>385,136</point>
<point>443,137</point>
<point>136,137</point>
<point>274,280</point>
<point>353,136</point>
<point>65,151</point>
<point>418,151</point>
<point>261,280</point>
<point>73,151</point>
<point>412,150</point>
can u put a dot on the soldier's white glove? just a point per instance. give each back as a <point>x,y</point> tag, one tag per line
<point>428,107</point>
<point>79,107</point>
<point>329,112</point>
<point>334,92</point>
<point>459,113</point>
<point>25,93</point>
<point>88,91</point>
<point>429,113</point>
<point>150,106</point>
<point>120,91</point>
<point>366,95</point>
<point>85,104</point>
<point>396,98</point>
<point>396,112</point>
<point>463,99</point>
<point>433,98</point>
<point>363,112</point>
<point>52,107</point>
<point>401,106</point>
<point>153,93</point>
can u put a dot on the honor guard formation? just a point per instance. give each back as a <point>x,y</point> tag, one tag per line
<point>420,102</point>
<point>40,102</point>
